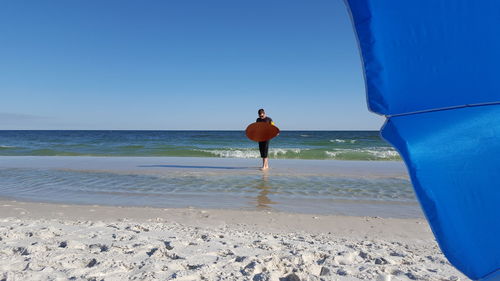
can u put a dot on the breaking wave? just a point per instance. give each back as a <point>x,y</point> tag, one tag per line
<point>296,153</point>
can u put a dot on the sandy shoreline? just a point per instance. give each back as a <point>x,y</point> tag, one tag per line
<point>41,241</point>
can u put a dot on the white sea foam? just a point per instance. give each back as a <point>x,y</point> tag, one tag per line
<point>377,153</point>
<point>342,141</point>
<point>384,153</point>
<point>332,154</point>
<point>7,146</point>
<point>233,153</point>
<point>283,151</point>
<point>252,153</point>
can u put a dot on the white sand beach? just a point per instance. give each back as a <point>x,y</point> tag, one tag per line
<point>40,241</point>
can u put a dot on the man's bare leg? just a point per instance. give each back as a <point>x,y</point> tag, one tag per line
<point>265,163</point>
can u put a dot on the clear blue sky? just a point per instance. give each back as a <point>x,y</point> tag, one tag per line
<point>184,64</point>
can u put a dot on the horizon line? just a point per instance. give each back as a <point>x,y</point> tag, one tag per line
<point>234,130</point>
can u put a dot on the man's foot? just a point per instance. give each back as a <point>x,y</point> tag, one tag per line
<point>264,168</point>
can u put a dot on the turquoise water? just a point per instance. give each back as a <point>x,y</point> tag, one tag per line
<point>324,145</point>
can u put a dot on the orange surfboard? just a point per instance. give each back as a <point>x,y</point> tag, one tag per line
<point>261,131</point>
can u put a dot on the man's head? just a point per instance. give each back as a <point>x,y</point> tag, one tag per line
<point>261,113</point>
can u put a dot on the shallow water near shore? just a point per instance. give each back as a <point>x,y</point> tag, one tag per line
<point>358,188</point>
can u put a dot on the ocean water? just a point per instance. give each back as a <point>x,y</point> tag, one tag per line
<point>305,194</point>
<point>322,145</point>
<point>366,188</point>
<point>329,172</point>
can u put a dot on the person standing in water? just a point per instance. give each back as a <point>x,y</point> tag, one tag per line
<point>264,145</point>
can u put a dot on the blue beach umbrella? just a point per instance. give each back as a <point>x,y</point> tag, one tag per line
<point>432,67</point>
